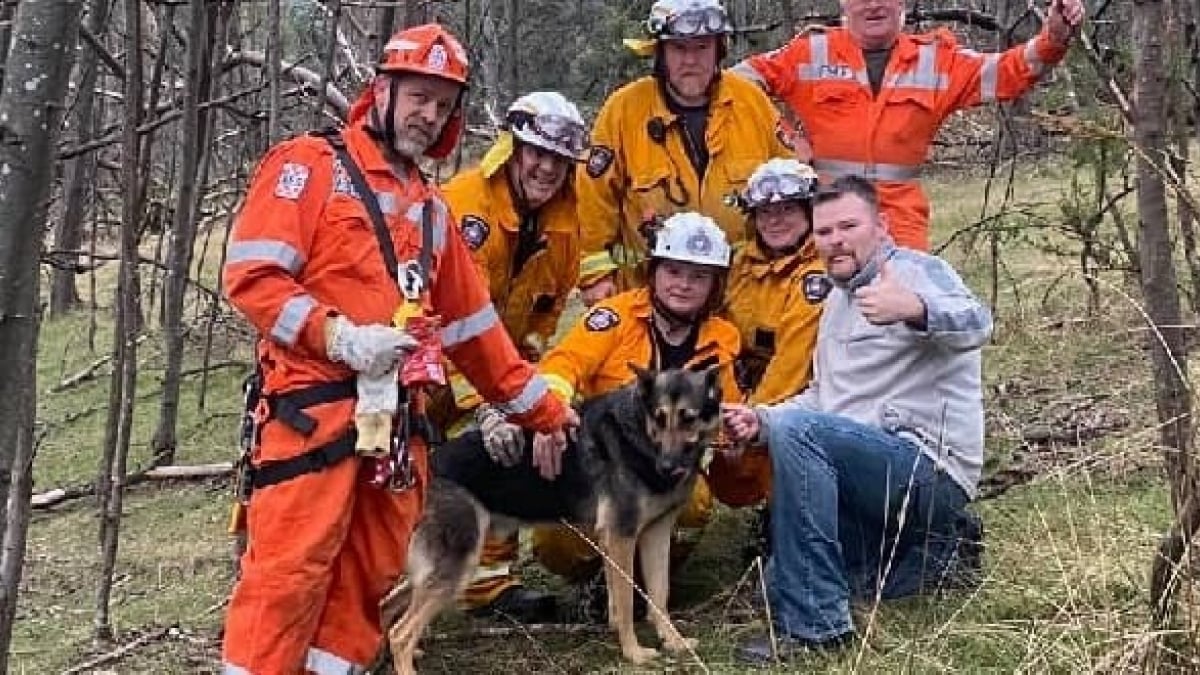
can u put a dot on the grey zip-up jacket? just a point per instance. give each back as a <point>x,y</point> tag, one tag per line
<point>924,385</point>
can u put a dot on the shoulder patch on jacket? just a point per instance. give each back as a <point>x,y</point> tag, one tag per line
<point>292,179</point>
<point>600,158</point>
<point>475,231</point>
<point>601,319</point>
<point>816,285</point>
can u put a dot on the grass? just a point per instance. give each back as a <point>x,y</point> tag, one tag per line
<point>1066,565</point>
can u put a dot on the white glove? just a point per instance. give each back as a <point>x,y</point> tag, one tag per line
<point>372,350</point>
<point>503,441</point>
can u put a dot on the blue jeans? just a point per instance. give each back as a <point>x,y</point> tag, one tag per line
<point>855,511</point>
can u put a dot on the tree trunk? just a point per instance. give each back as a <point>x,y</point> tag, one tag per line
<point>79,172</point>
<point>30,122</point>
<point>183,229</point>
<point>8,9</point>
<point>1161,294</point>
<point>274,54</point>
<point>514,50</point>
<point>122,392</point>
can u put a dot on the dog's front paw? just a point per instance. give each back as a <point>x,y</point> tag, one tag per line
<point>639,655</point>
<point>680,644</point>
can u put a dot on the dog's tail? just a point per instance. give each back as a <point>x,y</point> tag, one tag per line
<point>442,558</point>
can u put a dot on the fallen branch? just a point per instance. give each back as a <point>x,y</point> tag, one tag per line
<point>49,498</point>
<point>120,652</point>
<point>88,373</point>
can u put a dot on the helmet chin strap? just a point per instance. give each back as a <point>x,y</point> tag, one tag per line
<point>515,187</point>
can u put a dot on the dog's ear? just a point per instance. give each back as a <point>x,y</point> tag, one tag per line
<point>712,382</point>
<point>645,379</point>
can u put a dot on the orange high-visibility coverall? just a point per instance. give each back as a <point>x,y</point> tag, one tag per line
<point>324,547</point>
<point>822,77</point>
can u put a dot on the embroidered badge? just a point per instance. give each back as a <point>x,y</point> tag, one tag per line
<point>292,179</point>
<point>341,180</point>
<point>699,244</point>
<point>437,58</point>
<point>475,231</point>
<point>387,202</point>
<point>816,286</point>
<point>599,160</point>
<point>601,319</point>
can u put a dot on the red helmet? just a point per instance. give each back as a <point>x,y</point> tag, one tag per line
<point>429,49</point>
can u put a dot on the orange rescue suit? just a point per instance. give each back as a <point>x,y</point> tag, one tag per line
<point>822,77</point>
<point>324,547</point>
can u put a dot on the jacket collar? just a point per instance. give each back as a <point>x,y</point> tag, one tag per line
<point>761,264</point>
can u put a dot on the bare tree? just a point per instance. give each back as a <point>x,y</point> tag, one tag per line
<point>7,9</point>
<point>272,72</point>
<point>1160,290</point>
<point>110,485</point>
<point>183,231</point>
<point>30,121</point>
<point>79,172</point>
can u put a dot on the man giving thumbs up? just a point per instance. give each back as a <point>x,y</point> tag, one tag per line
<point>875,462</point>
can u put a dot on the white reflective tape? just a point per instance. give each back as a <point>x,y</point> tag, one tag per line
<point>228,668</point>
<point>280,253</point>
<point>291,319</point>
<point>533,392</point>
<point>744,69</point>
<point>988,74</point>
<point>925,75</point>
<point>874,172</point>
<point>471,327</point>
<point>322,662</point>
<point>416,213</point>
<point>1032,59</point>
<point>484,573</point>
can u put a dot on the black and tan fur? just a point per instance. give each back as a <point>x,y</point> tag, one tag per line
<point>625,478</point>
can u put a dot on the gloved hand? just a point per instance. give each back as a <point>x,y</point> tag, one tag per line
<point>378,398</point>
<point>503,441</point>
<point>372,350</point>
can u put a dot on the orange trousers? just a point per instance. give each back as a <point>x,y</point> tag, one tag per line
<point>323,549</point>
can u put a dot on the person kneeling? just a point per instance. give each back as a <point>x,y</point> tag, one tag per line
<point>874,463</point>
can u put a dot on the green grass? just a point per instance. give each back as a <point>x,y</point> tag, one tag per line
<point>1066,565</point>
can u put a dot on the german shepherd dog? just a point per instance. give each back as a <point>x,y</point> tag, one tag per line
<point>625,477</point>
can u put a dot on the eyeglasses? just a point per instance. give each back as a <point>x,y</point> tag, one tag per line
<point>563,133</point>
<point>708,21</point>
<point>779,187</point>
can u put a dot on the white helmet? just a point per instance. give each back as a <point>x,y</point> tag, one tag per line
<point>692,238</point>
<point>687,18</point>
<point>549,121</point>
<point>779,180</point>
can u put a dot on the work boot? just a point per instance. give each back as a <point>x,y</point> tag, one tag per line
<point>520,604</point>
<point>758,651</point>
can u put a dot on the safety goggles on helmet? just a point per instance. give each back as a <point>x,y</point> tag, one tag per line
<point>691,23</point>
<point>556,133</point>
<point>778,188</point>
